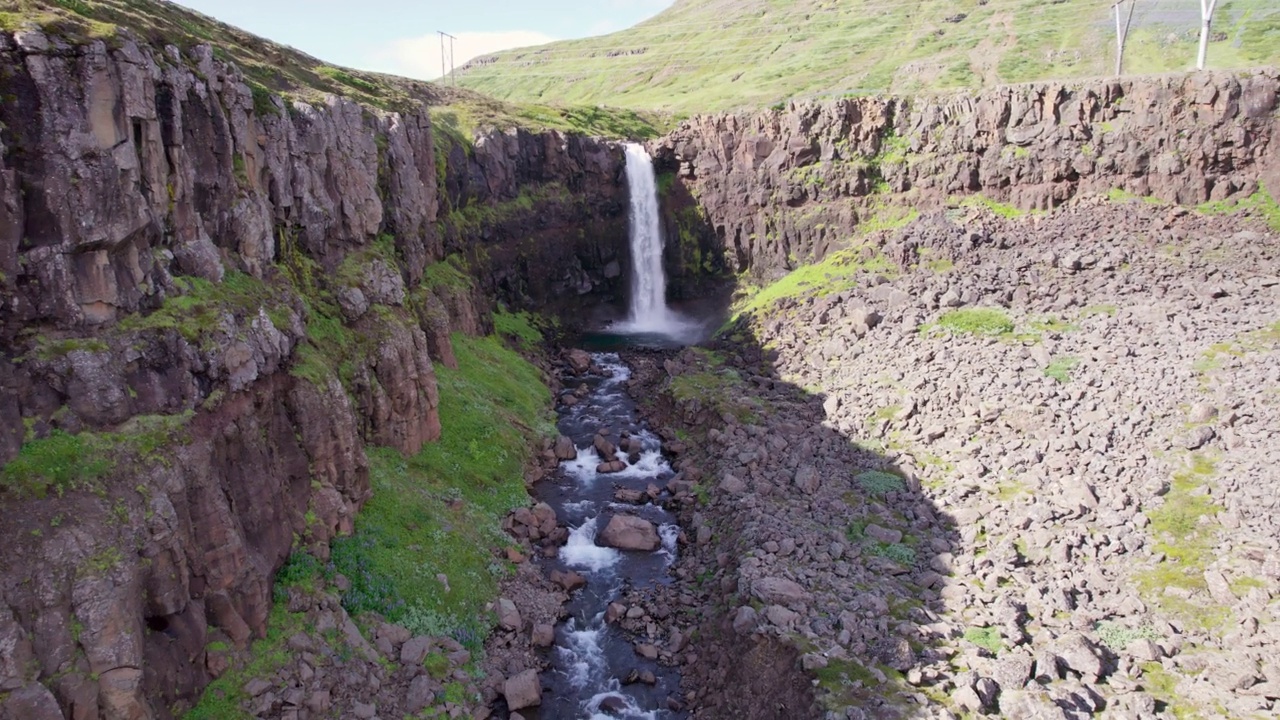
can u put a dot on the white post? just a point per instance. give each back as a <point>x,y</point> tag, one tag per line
<point>1119,40</point>
<point>1122,32</point>
<point>1206,19</point>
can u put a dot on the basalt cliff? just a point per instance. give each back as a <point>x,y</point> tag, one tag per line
<point>213,299</point>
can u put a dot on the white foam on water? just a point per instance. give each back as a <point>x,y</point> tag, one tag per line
<point>579,506</point>
<point>670,535</point>
<point>587,665</point>
<point>581,550</point>
<point>616,371</point>
<point>583,467</point>
<point>649,464</point>
<point>629,709</point>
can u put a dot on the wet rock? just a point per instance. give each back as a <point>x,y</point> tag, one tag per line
<point>630,496</point>
<point>569,580</point>
<point>629,532</point>
<point>565,449</point>
<point>604,448</point>
<point>647,651</point>
<point>579,361</point>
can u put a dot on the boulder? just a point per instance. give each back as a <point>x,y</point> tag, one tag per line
<point>806,478</point>
<point>779,591</point>
<point>628,532</point>
<point>605,449</point>
<point>565,449</point>
<point>523,690</point>
<point>579,361</point>
<point>543,635</point>
<point>508,615</point>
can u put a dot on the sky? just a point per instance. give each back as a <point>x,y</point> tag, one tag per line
<point>399,36</point>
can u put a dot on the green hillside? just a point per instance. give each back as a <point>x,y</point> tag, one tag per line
<point>272,68</point>
<point>717,54</point>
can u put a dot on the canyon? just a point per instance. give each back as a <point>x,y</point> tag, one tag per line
<point>220,305</point>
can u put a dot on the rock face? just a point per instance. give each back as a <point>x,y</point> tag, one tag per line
<point>168,238</point>
<point>775,186</point>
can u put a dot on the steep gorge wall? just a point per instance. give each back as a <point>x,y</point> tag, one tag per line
<point>781,186</point>
<point>211,300</point>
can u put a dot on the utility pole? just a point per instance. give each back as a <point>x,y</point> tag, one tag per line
<point>451,76</point>
<point>1206,19</point>
<point>1122,31</point>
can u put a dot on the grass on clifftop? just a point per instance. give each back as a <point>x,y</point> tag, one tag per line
<point>440,511</point>
<point>707,55</point>
<point>272,68</point>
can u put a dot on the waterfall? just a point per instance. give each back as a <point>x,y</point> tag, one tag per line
<point>649,311</point>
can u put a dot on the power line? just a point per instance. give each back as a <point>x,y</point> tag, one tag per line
<point>451,76</point>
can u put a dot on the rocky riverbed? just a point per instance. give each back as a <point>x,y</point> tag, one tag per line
<point>1012,466</point>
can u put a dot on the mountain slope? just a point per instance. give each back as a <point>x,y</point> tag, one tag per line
<point>716,54</point>
<point>271,67</point>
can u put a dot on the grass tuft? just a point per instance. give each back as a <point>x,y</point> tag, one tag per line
<point>1060,369</point>
<point>878,482</point>
<point>976,321</point>
<point>987,638</point>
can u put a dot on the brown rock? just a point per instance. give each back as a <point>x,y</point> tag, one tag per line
<point>579,361</point>
<point>565,449</point>
<point>628,532</point>
<point>523,690</point>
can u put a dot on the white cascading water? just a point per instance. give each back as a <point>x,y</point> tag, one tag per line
<point>649,312</point>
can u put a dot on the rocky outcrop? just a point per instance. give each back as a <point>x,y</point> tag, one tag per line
<point>211,300</point>
<point>541,217</point>
<point>1036,485</point>
<point>781,186</point>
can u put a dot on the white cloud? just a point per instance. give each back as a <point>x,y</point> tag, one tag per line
<point>419,57</point>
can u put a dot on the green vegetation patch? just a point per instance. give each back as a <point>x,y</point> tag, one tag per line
<point>448,273</point>
<point>987,638</point>
<point>897,552</point>
<point>976,321</point>
<point>837,272</point>
<point>1260,204</point>
<point>878,482</point>
<point>721,389</point>
<point>439,512</point>
<point>346,78</point>
<point>997,208</point>
<point>477,216</point>
<point>199,311</point>
<point>1061,367</point>
<point>521,328</point>
<point>63,462</point>
<point>1185,534</point>
<point>1118,637</point>
<point>225,697</point>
